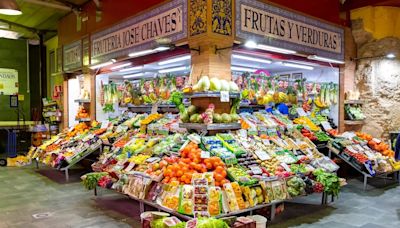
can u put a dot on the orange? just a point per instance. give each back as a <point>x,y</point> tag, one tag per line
<point>218,177</point>
<point>179,173</point>
<point>209,165</point>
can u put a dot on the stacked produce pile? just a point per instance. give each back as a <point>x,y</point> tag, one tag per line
<point>365,152</point>
<point>212,175</point>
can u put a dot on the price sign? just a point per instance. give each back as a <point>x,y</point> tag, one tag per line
<point>104,124</point>
<point>224,96</point>
<point>376,140</point>
<point>301,112</point>
<point>205,154</point>
<point>256,170</point>
<point>266,142</point>
<point>243,133</point>
<point>286,167</point>
<point>326,125</point>
<point>130,167</point>
<point>262,155</point>
<point>154,108</point>
<point>245,145</point>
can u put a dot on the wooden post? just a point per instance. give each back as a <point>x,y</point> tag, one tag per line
<point>211,34</point>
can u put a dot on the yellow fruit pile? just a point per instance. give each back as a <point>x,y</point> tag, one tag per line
<point>151,118</point>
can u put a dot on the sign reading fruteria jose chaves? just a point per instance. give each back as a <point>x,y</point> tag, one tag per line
<point>139,33</point>
<point>72,56</point>
<point>267,24</point>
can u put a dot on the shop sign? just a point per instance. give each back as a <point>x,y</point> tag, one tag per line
<point>8,81</point>
<point>270,25</point>
<point>139,33</point>
<point>72,56</point>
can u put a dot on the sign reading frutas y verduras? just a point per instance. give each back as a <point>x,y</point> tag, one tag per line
<point>72,56</point>
<point>8,81</point>
<point>139,33</point>
<point>270,25</point>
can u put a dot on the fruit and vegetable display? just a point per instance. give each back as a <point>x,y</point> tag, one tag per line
<point>82,113</point>
<point>195,174</point>
<point>353,112</point>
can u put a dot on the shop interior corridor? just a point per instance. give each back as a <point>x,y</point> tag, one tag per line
<point>26,192</point>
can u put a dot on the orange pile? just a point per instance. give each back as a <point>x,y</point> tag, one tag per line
<point>182,169</point>
<point>381,147</point>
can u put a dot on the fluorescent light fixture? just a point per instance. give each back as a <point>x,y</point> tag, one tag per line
<point>174,69</point>
<point>132,69</point>
<point>133,75</point>
<point>323,59</point>
<point>9,7</point>
<point>243,69</point>
<point>275,49</point>
<point>252,44</point>
<point>97,66</point>
<point>141,53</point>
<point>121,66</point>
<point>9,34</point>
<point>243,57</point>
<point>294,65</point>
<point>161,48</point>
<point>174,60</point>
<point>390,56</point>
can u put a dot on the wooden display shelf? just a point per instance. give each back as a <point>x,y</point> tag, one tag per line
<point>354,122</point>
<point>82,100</point>
<point>209,94</point>
<point>354,102</point>
<point>211,127</point>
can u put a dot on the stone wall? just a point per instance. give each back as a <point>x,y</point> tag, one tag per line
<point>378,81</point>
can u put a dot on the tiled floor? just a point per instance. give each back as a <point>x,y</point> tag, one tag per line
<point>25,192</point>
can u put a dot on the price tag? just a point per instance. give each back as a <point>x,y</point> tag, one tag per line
<point>104,124</point>
<point>301,112</point>
<point>326,125</point>
<point>245,145</point>
<point>256,170</point>
<point>286,167</point>
<point>266,142</point>
<point>130,114</point>
<point>243,133</point>
<point>224,96</point>
<point>154,108</point>
<point>205,154</point>
<point>376,140</point>
<point>262,155</point>
<point>130,167</point>
<point>153,159</point>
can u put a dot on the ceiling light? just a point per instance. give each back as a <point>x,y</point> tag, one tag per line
<point>162,48</point>
<point>294,65</point>
<point>133,75</point>
<point>275,49</point>
<point>390,56</point>
<point>252,44</point>
<point>243,69</point>
<point>252,59</point>
<point>141,53</point>
<point>9,34</point>
<point>9,7</point>
<point>97,66</point>
<point>174,60</point>
<point>174,69</point>
<point>132,69</point>
<point>323,59</point>
<point>121,66</point>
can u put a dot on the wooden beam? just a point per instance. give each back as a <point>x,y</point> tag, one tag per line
<point>355,4</point>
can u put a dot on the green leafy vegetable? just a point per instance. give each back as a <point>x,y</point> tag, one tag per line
<point>330,181</point>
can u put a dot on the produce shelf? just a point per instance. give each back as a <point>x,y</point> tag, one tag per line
<point>210,127</point>
<point>50,104</point>
<point>83,119</point>
<point>210,94</point>
<point>354,102</point>
<point>82,100</point>
<point>354,122</point>
<point>365,174</point>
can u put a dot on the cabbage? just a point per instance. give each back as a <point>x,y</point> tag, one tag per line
<point>204,83</point>
<point>215,84</point>
<point>233,86</point>
<point>211,223</point>
<point>224,85</point>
